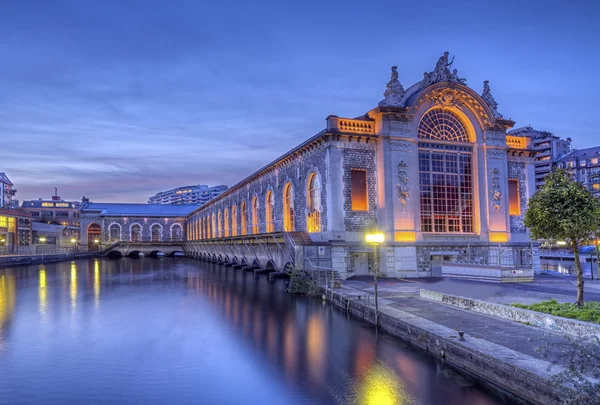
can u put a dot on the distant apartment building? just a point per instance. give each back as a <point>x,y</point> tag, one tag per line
<point>549,147</point>
<point>584,164</point>
<point>198,194</point>
<point>7,193</point>
<point>54,211</point>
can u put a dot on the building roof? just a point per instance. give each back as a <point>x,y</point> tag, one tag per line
<point>140,210</point>
<point>49,204</point>
<point>581,154</point>
<point>4,179</point>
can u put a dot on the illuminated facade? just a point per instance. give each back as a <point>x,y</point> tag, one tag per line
<point>431,166</point>
<point>198,194</point>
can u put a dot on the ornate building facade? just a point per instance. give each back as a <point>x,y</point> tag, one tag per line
<point>432,167</point>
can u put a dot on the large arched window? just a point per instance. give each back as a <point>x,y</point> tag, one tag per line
<point>176,232</point>
<point>313,203</point>
<point>156,232</point>
<point>234,222</point>
<point>114,232</point>
<point>226,222</point>
<point>219,224</point>
<point>135,232</point>
<point>445,175</point>
<point>244,218</point>
<point>213,233</point>
<point>255,217</point>
<point>269,209</point>
<point>288,208</point>
<point>442,125</point>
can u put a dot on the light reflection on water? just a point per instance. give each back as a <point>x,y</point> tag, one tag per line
<point>187,332</point>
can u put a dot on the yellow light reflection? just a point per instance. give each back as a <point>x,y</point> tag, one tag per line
<point>315,345</point>
<point>7,299</point>
<point>43,292</point>
<point>73,285</point>
<point>96,282</point>
<point>382,387</point>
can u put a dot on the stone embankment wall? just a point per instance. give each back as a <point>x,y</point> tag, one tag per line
<point>8,261</point>
<point>502,368</point>
<point>556,323</point>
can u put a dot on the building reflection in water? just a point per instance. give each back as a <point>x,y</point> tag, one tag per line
<point>43,292</point>
<point>96,283</point>
<point>73,285</point>
<point>7,301</point>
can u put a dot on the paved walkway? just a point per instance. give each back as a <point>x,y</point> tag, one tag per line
<point>404,295</point>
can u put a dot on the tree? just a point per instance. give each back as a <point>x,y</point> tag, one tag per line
<point>564,210</point>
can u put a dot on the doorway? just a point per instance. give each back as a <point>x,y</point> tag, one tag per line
<point>360,263</point>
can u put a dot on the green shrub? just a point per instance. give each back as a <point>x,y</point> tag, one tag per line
<point>302,283</point>
<point>589,312</point>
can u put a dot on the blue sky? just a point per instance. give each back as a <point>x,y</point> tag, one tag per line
<point>119,99</point>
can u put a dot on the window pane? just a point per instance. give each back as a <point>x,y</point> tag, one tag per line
<point>514,201</point>
<point>358,186</point>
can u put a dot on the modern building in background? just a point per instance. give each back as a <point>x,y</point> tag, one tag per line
<point>549,148</point>
<point>198,194</point>
<point>584,164</point>
<point>53,211</point>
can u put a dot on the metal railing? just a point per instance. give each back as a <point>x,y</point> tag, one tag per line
<point>514,258</point>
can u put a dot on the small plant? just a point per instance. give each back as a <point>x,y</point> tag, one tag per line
<point>302,283</point>
<point>589,312</point>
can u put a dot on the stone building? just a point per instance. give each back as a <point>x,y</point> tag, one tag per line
<point>102,224</point>
<point>432,167</point>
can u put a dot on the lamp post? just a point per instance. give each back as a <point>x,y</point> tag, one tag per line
<point>375,239</point>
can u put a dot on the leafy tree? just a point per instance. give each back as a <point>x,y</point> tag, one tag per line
<point>564,210</point>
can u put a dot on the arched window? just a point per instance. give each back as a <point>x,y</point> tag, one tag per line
<point>226,223</point>
<point>135,231</point>
<point>114,232</point>
<point>213,233</point>
<point>234,230</point>
<point>156,232</point>
<point>255,217</point>
<point>244,218</point>
<point>442,125</point>
<point>313,203</point>
<point>94,232</point>
<point>219,224</point>
<point>176,232</point>
<point>445,176</point>
<point>269,209</point>
<point>288,208</point>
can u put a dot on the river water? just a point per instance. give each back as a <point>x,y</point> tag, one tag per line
<point>180,331</point>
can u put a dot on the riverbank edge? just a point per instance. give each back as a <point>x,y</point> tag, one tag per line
<point>523,376</point>
<point>8,261</point>
<point>568,326</point>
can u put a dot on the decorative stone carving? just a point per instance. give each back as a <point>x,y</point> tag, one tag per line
<point>489,99</point>
<point>394,92</point>
<point>448,97</point>
<point>495,190</point>
<point>441,73</point>
<point>403,188</point>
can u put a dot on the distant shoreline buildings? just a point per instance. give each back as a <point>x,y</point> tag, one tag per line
<point>199,194</point>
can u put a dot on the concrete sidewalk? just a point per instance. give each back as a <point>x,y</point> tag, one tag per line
<point>404,296</point>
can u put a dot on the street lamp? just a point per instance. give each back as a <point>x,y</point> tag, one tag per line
<point>42,239</point>
<point>375,239</point>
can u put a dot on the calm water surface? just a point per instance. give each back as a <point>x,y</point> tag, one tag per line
<point>153,331</point>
